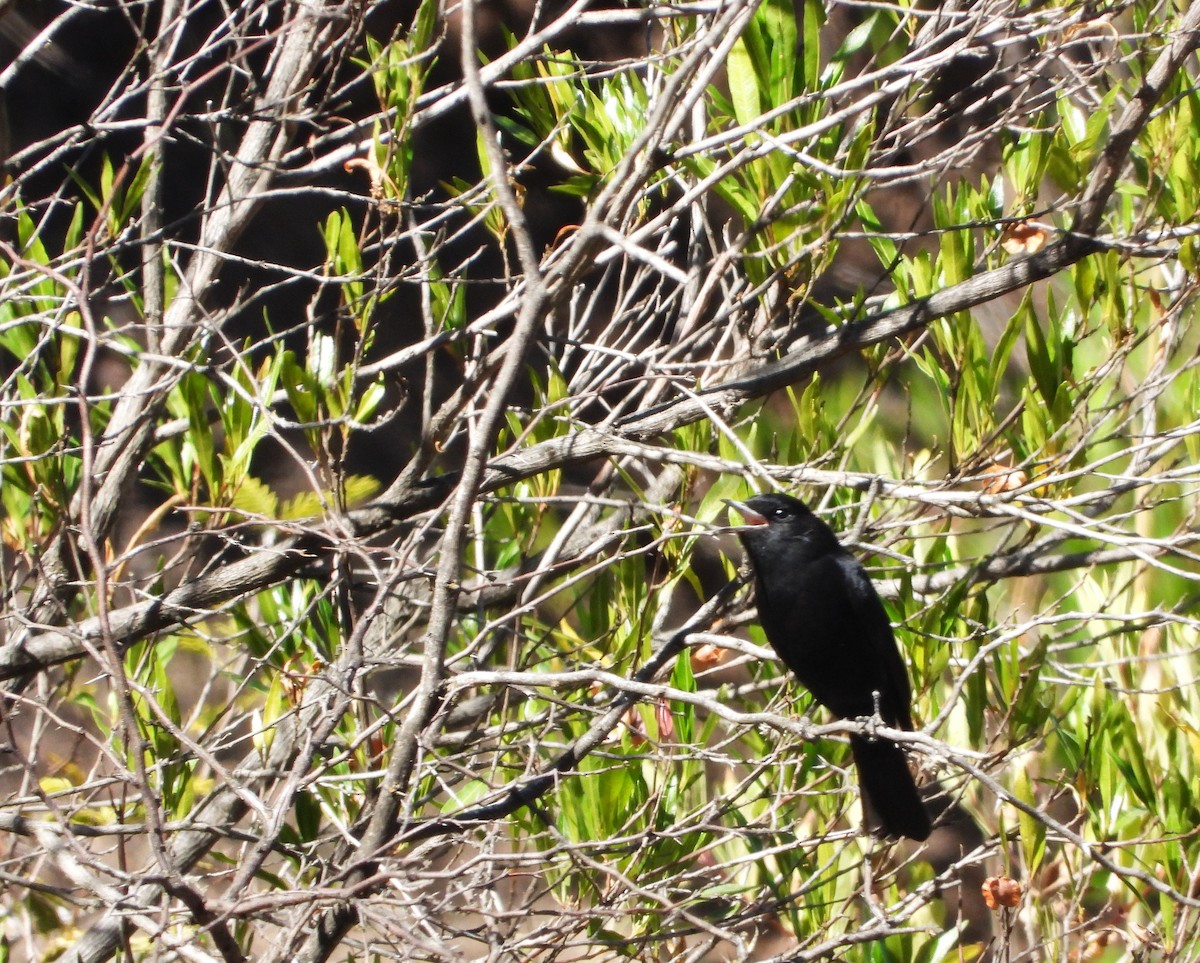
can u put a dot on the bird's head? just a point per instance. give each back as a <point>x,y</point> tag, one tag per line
<point>775,519</point>
<point>771,509</point>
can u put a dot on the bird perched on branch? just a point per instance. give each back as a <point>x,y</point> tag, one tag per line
<point>823,617</point>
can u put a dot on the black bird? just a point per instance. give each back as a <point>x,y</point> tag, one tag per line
<point>822,615</point>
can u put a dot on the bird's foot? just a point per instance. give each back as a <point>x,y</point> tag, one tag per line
<point>872,722</point>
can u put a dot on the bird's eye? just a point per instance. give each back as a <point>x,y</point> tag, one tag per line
<point>780,512</point>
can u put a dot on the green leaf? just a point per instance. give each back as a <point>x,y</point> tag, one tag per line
<point>255,498</point>
<point>369,400</point>
<point>1033,831</point>
<point>307,811</point>
<point>424,23</point>
<point>743,85</point>
<point>684,712</point>
<point>1005,343</point>
<point>814,19</point>
<point>1042,361</point>
<point>776,20</point>
<point>857,38</point>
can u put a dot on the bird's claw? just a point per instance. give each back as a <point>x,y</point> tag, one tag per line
<point>872,722</point>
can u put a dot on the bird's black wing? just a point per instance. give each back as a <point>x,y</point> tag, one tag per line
<point>882,660</point>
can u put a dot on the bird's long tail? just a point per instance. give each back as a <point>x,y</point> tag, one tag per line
<point>892,805</point>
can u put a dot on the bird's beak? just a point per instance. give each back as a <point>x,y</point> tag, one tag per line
<point>750,518</point>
